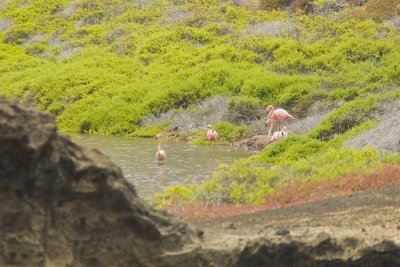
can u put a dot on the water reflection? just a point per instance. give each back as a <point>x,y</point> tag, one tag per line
<point>136,157</point>
<point>162,174</point>
<point>212,164</point>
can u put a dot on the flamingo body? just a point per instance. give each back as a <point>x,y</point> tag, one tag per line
<point>276,115</point>
<point>280,115</point>
<point>212,135</point>
<point>279,134</point>
<point>160,155</point>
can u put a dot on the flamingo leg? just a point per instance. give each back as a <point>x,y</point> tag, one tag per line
<point>270,128</point>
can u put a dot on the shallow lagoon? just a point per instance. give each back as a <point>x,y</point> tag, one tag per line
<point>136,158</point>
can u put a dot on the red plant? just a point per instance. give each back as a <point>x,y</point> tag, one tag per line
<point>382,9</point>
<point>196,211</point>
<point>377,10</point>
<point>298,193</point>
<point>294,194</point>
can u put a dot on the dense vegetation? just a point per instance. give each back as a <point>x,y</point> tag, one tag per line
<point>104,67</point>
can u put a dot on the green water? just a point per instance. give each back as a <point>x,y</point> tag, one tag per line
<point>136,157</point>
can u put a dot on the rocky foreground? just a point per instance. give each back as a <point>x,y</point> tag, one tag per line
<point>65,205</point>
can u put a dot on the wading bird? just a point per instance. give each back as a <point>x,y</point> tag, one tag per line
<point>279,134</point>
<point>160,155</point>
<point>276,115</point>
<point>212,135</point>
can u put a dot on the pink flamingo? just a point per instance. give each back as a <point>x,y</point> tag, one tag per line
<point>160,155</point>
<point>276,115</point>
<point>279,134</point>
<point>212,135</point>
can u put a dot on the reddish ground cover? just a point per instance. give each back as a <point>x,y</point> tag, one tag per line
<point>294,194</point>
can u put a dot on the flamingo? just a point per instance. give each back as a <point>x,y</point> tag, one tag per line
<point>160,155</point>
<point>276,115</point>
<point>212,135</point>
<point>279,134</point>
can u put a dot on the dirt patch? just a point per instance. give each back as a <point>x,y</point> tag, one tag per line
<point>357,230</point>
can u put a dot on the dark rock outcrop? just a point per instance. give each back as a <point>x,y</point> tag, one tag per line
<point>255,143</point>
<point>65,205</point>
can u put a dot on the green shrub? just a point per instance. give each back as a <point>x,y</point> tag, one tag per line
<point>149,131</point>
<point>236,183</point>
<point>172,195</point>
<point>344,118</point>
<point>299,97</point>
<point>21,33</point>
<point>244,109</point>
<point>291,149</point>
<point>227,133</point>
<point>344,94</point>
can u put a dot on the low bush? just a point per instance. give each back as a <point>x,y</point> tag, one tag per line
<point>299,97</point>
<point>172,195</point>
<point>344,94</point>
<point>149,131</point>
<point>227,133</point>
<point>291,148</point>
<point>344,118</point>
<point>301,192</point>
<point>244,109</point>
<point>19,34</point>
<point>195,211</point>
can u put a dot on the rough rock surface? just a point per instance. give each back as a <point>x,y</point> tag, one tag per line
<point>361,230</point>
<point>255,143</point>
<point>64,205</point>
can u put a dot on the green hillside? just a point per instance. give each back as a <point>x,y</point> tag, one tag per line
<point>104,67</point>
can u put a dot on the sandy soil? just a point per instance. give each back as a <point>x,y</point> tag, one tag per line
<point>338,228</point>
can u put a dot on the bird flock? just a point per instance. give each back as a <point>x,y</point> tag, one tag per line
<point>273,115</point>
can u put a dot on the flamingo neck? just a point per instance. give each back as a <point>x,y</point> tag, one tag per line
<point>270,113</point>
<point>159,146</point>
